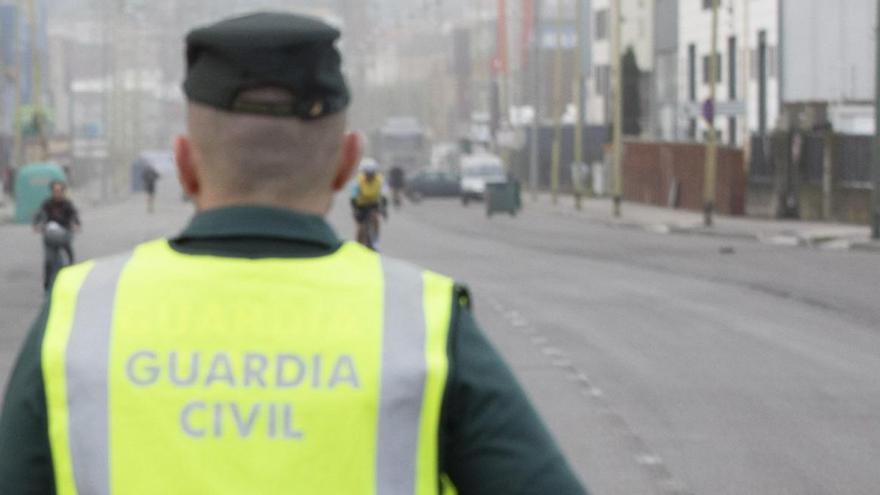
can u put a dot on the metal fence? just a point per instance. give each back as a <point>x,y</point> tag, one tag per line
<point>852,158</point>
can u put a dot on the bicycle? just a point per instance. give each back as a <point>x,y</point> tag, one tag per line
<point>368,229</point>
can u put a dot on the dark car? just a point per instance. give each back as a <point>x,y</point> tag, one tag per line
<point>433,184</point>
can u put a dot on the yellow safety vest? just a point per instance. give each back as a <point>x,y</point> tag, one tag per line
<point>173,374</point>
<point>369,192</point>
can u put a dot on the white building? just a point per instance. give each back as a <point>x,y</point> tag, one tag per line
<point>828,59</point>
<point>637,32</point>
<point>748,89</point>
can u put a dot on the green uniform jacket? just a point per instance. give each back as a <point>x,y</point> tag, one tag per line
<point>491,439</point>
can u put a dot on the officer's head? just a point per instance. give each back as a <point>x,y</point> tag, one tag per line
<point>266,114</point>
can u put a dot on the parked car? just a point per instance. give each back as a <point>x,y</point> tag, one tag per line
<point>477,171</point>
<point>433,184</point>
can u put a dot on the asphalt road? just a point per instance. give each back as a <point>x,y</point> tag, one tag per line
<point>661,364</point>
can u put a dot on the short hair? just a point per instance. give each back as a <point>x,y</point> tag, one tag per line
<point>270,157</point>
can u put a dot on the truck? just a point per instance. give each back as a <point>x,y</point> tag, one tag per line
<point>402,142</point>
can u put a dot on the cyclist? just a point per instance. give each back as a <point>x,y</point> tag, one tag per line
<point>368,201</point>
<point>56,219</point>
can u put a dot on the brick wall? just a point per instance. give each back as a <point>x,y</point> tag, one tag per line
<point>651,171</point>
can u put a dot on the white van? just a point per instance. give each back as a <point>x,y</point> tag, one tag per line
<point>477,170</point>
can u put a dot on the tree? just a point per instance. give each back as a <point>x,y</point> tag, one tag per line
<point>632,97</point>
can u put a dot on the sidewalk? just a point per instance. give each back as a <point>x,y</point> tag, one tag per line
<point>821,235</point>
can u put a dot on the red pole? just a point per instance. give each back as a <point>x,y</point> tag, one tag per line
<point>528,29</point>
<point>502,37</point>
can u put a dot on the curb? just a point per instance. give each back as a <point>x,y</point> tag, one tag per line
<point>781,239</point>
<point>785,238</point>
<point>866,247</point>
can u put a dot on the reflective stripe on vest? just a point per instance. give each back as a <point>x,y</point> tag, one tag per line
<point>167,373</point>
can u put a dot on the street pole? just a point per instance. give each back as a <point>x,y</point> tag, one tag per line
<point>558,107</point>
<point>107,98</point>
<point>579,111</point>
<point>875,214</point>
<point>37,83</point>
<point>536,88</point>
<point>504,78</point>
<point>617,142</point>
<point>746,77</point>
<point>17,138</point>
<point>504,60</point>
<point>709,185</point>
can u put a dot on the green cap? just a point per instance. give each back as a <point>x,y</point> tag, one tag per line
<point>285,51</point>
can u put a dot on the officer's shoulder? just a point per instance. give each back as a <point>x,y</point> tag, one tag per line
<point>460,292</point>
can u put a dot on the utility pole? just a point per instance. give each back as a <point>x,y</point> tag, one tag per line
<point>37,82</point>
<point>579,96</point>
<point>710,174</point>
<point>617,93</point>
<point>558,107</point>
<point>503,79</point>
<point>536,88</point>
<point>875,213</point>
<point>503,61</point>
<point>16,109</point>
<point>746,77</point>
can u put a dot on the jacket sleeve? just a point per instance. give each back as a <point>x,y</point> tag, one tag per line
<point>493,439</point>
<point>25,454</point>
<point>74,214</point>
<point>42,215</point>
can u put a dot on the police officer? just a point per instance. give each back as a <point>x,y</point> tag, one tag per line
<point>256,352</point>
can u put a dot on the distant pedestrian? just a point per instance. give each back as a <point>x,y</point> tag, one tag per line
<point>9,181</point>
<point>397,181</point>
<point>150,176</point>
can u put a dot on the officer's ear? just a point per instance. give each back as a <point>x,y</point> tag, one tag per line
<point>187,172</point>
<point>352,148</point>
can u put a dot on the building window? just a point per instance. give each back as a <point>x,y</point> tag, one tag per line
<point>732,131</point>
<point>717,69</point>
<point>753,64</point>
<point>707,4</point>
<point>731,68</point>
<point>692,72</point>
<point>602,74</point>
<point>602,24</point>
<point>772,62</point>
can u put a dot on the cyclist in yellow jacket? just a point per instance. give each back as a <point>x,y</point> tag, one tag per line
<point>369,200</point>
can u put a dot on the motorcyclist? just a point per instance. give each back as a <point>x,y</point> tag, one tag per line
<point>57,219</point>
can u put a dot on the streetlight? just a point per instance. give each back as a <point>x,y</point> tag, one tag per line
<point>617,141</point>
<point>536,89</point>
<point>709,186</point>
<point>580,79</point>
<point>558,106</point>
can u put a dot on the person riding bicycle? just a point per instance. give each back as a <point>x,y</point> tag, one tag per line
<point>368,200</point>
<point>56,219</point>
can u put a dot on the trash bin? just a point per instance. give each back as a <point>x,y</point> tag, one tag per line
<point>503,197</point>
<point>32,188</point>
